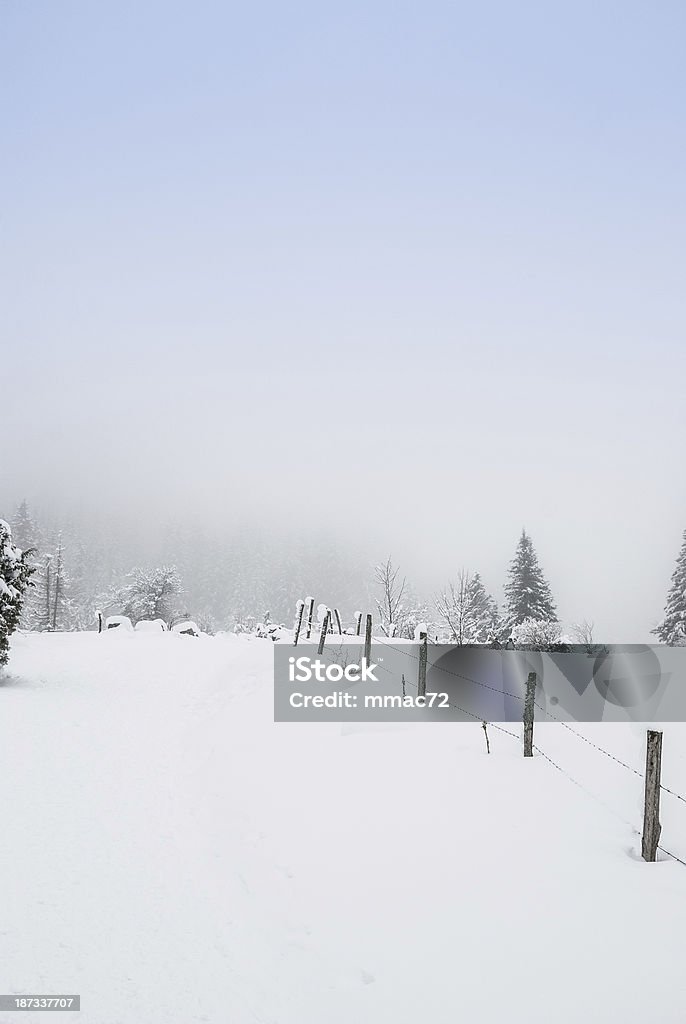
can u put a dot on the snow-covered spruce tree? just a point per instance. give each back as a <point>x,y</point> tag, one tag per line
<point>15,577</point>
<point>24,529</point>
<point>527,593</point>
<point>672,629</point>
<point>60,609</point>
<point>26,535</point>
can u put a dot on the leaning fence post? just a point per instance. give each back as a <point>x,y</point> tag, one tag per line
<point>368,640</point>
<point>529,715</point>
<point>322,635</point>
<point>651,812</point>
<point>338,620</point>
<point>299,621</point>
<point>423,652</point>
<point>310,613</point>
<point>358,623</point>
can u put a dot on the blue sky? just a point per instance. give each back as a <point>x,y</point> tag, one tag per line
<point>438,248</point>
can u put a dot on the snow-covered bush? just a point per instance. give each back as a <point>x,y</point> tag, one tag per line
<point>537,633</point>
<point>15,577</point>
<point>150,626</point>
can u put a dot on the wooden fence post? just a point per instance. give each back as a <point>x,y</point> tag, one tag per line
<point>299,622</point>
<point>338,620</point>
<point>368,640</point>
<point>310,613</point>
<point>423,652</point>
<point>651,812</point>
<point>529,715</point>
<point>358,623</point>
<point>325,630</point>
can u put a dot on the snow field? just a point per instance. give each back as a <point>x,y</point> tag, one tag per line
<point>173,855</point>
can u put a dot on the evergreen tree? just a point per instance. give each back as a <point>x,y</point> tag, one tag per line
<point>24,529</point>
<point>15,577</point>
<point>527,593</point>
<point>60,611</point>
<point>26,535</point>
<point>672,629</point>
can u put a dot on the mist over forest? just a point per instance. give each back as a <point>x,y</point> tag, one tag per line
<point>246,575</point>
<point>273,334</point>
<point>226,580</point>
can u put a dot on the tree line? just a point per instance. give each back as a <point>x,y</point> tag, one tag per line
<point>70,572</point>
<point>464,612</point>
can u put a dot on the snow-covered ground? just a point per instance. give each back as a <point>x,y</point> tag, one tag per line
<point>173,855</point>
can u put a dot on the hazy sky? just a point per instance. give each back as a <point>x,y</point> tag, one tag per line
<point>413,269</point>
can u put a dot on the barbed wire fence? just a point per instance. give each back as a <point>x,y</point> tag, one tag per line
<point>651,777</point>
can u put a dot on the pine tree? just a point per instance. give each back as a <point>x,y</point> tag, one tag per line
<point>24,530</point>
<point>15,577</point>
<point>26,535</point>
<point>672,629</point>
<point>59,609</point>
<point>527,593</point>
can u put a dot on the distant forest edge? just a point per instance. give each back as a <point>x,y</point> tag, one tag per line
<point>241,583</point>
